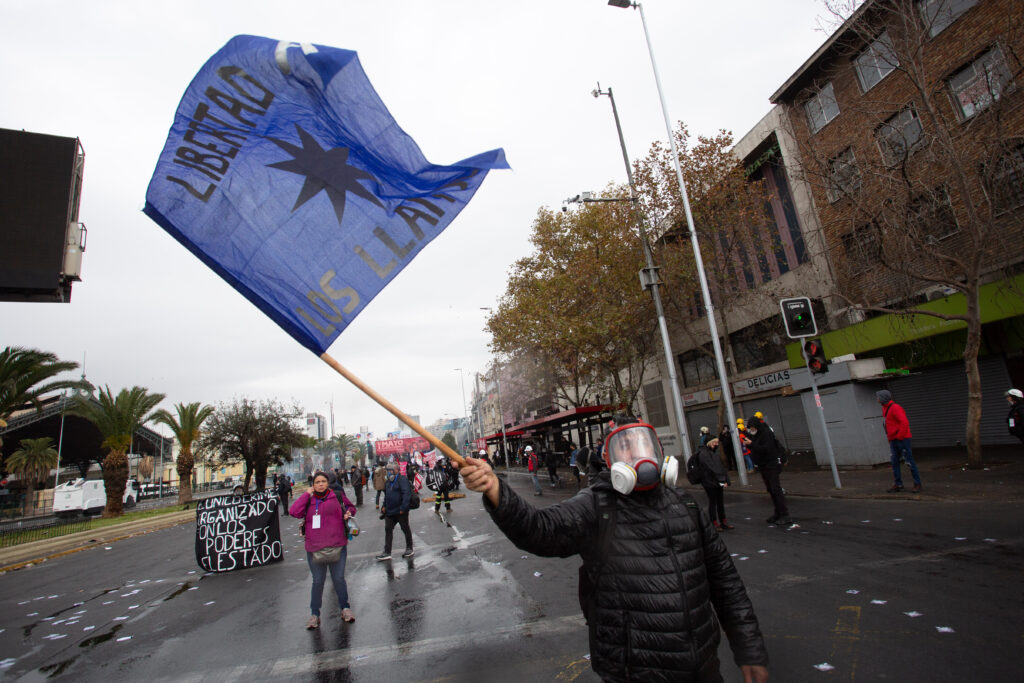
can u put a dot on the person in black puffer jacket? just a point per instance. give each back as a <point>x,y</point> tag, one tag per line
<point>765,454</point>
<point>659,580</point>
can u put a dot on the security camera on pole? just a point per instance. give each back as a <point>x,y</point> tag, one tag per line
<point>798,317</point>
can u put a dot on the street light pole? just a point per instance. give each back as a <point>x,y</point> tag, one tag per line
<point>723,376</point>
<point>651,281</point>
<point>501,413</point>
<point>465,411</point>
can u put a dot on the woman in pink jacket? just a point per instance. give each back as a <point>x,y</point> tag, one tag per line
<point>324,513</point>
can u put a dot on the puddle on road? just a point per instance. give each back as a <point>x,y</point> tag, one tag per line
<point>101,638</point>
<point>56,669</point>
<point>181,589</point>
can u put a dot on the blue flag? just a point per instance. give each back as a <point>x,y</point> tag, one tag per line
<point>285,173</point>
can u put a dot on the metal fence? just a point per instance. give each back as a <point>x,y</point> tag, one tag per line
<point>27,530</point>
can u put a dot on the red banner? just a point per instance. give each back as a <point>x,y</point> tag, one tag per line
<point>399,446</point>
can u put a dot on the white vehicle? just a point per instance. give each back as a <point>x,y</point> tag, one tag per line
<point>88,497</point>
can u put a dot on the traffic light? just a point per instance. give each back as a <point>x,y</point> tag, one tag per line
<point>798,317</point>
<point>816,361</point>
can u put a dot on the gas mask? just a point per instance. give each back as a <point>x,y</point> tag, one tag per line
<point>635,459</point>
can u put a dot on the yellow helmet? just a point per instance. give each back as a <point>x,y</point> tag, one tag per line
<point>759,415</point>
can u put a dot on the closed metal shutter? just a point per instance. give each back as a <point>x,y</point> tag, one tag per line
<point>785,414</point>
<point>701,417</point>
<point>936,404</point>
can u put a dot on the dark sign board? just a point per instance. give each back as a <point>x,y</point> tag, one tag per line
<point>40,183</point>
<point>235,532</point>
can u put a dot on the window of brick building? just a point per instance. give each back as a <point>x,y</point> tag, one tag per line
<point>843,175</point>
<point>862,249</point>
<point>900,135</point>
<point>981,82</point>
<point>1004,181</point>
<point>821,108</point>
<point>697,366</point>
<point>931,216</point>
<point>938,14</point>
<point>876,62</point>
<point>654,399</point>
<point>758,345</point>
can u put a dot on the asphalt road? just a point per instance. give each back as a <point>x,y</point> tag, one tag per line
<point>877,590</point>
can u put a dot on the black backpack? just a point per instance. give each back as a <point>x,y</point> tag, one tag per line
<point>693,473</point>
<point>780,452</point>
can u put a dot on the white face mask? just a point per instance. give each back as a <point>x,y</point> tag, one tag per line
<point>635,459</point>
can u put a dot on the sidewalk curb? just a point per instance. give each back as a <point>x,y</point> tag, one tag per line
<point>25,554</point>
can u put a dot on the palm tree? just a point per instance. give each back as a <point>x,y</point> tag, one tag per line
<point>33,462</point>
<point>27,374</point>
<point>186,430</point>
<point>117,418</point>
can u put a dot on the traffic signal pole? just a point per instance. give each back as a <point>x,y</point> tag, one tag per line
<point>821,415</point>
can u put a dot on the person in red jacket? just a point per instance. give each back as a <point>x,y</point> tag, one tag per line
<point>897,430</point>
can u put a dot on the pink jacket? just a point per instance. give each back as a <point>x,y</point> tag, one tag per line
<point>332,521</point>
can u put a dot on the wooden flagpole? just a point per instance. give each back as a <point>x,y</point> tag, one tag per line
<point>391,408</point>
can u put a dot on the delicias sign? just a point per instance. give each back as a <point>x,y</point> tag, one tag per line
<point>234,532</point>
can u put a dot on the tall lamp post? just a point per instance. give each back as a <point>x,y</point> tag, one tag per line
<point>465,411</point>
<point>501,413</point>
<point>649,278</point>
<point>695,243</point>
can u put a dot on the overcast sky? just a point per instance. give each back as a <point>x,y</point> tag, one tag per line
<point>460,76</point>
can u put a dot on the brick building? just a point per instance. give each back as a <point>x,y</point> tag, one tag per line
<point>896,157</point>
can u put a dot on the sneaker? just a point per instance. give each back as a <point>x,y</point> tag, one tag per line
<point>896,488</point>
<point>409,553</point>
<point>772,520</point>
<point>917,488</point>
<point>727,526</point>
<point>347,616</point>
<point>314,622</point>
<point>718,527</point>
<point>536,493</point>
<point>783,520</point>
<point>383,556</point>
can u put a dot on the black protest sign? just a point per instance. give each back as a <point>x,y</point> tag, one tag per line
<point>235,532</point>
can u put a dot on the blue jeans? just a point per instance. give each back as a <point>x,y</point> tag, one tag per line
<point>536,481</point>
<point>319,572</point>
<point>902,448</point>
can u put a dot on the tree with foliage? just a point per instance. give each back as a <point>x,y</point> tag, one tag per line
<point>932,201</point>
<point>117,418</point>
<point>26,375</point>
<point>32,463</point>
<point>573,320</point>
<point>257,433</point>
<point>729,212</point>
<point>449,440</point>
<point>186,429</point>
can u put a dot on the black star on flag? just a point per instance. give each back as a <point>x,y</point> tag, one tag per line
<point>324,169</point>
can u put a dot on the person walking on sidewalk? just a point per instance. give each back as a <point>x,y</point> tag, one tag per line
<point>765,452</point>
<point>714,479</point>
<point>551,460</point>
<point>897,430</point>
<point>397,493</point>
<point>1015,420</point>
<point>380,476</point>
<point>532,466</point>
